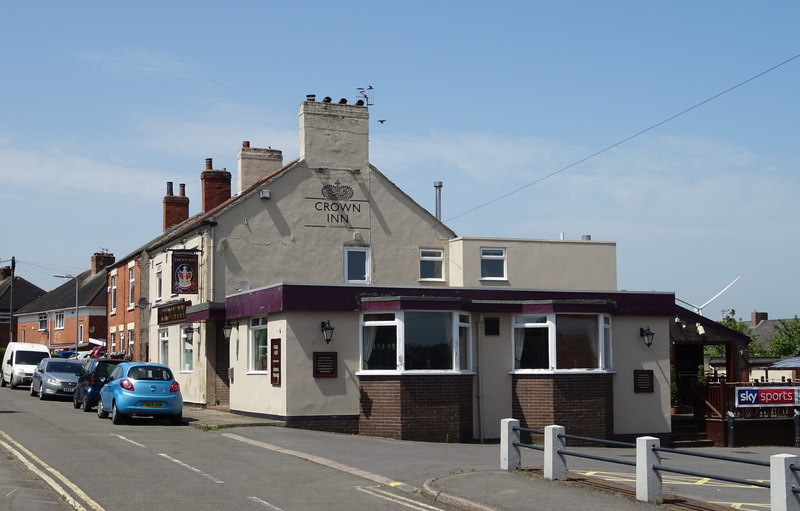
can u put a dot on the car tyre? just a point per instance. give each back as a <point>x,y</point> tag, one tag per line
<point>41,393</point>
<point>33,392</point>
<point>100,411</point>
<point>75,403</point>
<point>176,419</point>
<point>116,416</point>
<point>2,382</point>
<point>86,405</point>
<point>11,384</point>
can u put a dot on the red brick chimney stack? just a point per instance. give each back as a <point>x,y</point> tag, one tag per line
<point>216,185</point>
<point>101,260</point>
<point>176,207</point>
<point>5,272</point>
<point>758,317</point>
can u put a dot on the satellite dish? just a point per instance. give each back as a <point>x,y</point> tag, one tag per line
<point>244,286</point>
<point>699,308</point>
<point>142,303</point>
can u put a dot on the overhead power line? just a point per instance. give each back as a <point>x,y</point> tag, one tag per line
<point>626,139</point>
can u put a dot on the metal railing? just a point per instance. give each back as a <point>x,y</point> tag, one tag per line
<point>783,468</point>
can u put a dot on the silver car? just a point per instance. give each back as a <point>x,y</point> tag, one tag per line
<point>55,377</point>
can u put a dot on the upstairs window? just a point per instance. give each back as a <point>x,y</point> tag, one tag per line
<point>159,282</point>
<point>131,287</point>
<point>42,322</point>
<point>113,292</point>
<point>493,263</point>
<point>357,265</point>
<point>59,320</point>
<point>431,264</point>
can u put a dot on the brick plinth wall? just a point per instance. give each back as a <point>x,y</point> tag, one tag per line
<point>582,403</point>
<point>343,424</point>
<point>435,408</point>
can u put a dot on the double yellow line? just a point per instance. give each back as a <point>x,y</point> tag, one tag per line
<point>49,475</point>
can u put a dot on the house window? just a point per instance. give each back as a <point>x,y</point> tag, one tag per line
<point>357,265</point>
<point>113,343</point>
<point>59,320</point>
<point>42,322</point>
<point>415,341</point>
<point>562,342</point>
<point>163,346</point>
<point>130,341</point>
<point>187,357</point>
<point>159,281</point>
<point>80,333</point>
<point>431,264</point>
<point>259,347</point>
<point>131,287</point>
<point>493,263</point>
<point>113,292</point>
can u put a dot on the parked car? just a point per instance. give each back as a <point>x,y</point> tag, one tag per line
<point>141,388</point>
<point>19,362</point>
<point>92,378</point>
<point>55,377</point>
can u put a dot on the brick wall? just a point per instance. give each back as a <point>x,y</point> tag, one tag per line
<point>582,403</point>
<point>433,408</point>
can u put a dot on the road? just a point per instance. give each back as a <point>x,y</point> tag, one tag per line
<point>152,465</point>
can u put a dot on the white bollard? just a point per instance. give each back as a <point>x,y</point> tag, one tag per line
<point>648,480</point>
<point>555,465</point>
<point>510,457</point>
<point>781,481</point>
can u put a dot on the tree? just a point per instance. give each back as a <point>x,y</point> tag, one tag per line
<point>737,325</point>
<point>786,341</point>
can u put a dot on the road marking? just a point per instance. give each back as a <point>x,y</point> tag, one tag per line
<point>265,504</point>
<point>128,440</point>
<point>375,491</point>
<point>17,451</point>
<point>320,461</point>
<point>184,465</point>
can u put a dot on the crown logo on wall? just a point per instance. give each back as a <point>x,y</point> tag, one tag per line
<point>337,191</point>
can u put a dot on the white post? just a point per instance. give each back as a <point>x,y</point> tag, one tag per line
<point>555,465</point>
<point>510,457</point>
<point>648,480</point>
<point>782,479</point>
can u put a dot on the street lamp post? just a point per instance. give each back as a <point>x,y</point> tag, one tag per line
<point>77,334</point>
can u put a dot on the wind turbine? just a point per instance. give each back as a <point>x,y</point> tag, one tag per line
<point>699,308</point>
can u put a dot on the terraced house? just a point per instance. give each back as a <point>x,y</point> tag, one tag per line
<point>319,293</point>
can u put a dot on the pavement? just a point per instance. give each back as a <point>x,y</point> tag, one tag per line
<point>475,489</point>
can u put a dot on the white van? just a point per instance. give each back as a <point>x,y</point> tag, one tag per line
<point>19,362</point>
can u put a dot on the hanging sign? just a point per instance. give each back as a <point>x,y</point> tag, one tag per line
<point>767,396</point>
<point>184,273</point>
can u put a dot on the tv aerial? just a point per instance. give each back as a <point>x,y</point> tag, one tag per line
<point>699,308</point>
<point>367,95</point>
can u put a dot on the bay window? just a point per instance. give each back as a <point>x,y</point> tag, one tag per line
<point>562,342</point>
<point>415,341</point>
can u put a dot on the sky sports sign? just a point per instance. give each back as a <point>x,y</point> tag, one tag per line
<point>767,396</point>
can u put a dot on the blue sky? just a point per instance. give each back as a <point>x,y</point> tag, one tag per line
<point>102,104</point>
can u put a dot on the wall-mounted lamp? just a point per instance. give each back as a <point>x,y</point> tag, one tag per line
<point>327,330</point>
<point>700,329</point>
<point>647,335</point>
<point>227,328</point>
<point>189,333</point>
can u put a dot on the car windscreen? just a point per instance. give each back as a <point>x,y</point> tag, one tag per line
<point>150,373</point>
<point>30,357</point>
<point>103,369</point>
<point>64,367</point>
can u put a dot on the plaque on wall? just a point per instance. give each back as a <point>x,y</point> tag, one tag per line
<point>642,380</point>
<point>325,364</point>
<point>275,362</point>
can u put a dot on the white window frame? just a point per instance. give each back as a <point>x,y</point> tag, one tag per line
<point>432,255</point>
<point>486,254</point>
<point>258,325</point>
<point>163,346</point>
<point>42,322</point>
<point>131,287</point>
<point>113,336</point>
<point>187,352</point>
<point>59,320</point>
<point>460,324</point>
<point>113,299</point>
<point>604,341</point>
<point>367,265</point>
<point>159,281</point>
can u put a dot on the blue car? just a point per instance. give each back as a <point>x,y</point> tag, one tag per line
<point>141,388</point>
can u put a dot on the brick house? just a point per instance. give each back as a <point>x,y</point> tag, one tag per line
<point>322,295</point>
<point>15,293</point>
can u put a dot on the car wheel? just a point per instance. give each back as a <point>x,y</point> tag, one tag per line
<point>11,383</point>
<point>176,419</point>
<point>2,382</point>
<point>100,412</point>
<point>75,403</point>
<point>33,392</point>
<point>41,392</point>
<point>86,406</point>
<point>116,416</point>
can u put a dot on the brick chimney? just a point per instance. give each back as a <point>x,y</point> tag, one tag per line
<point>5,272</point>
<point>255,163</point>
<point>100,260</point>
<point>334,135</point>
<point>758,317</point>
<point>176,207</point>
<point>216,186</point>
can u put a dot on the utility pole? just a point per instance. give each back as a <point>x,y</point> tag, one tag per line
<point>11,302</point>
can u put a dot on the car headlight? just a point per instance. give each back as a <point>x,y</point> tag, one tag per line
<point>53,381</point>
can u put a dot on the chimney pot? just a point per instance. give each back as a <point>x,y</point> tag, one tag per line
<point>246,143</point>
<point>311,97</point>
<point>209,164</point>
<point>169,188</point>
<point>182,187</point>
